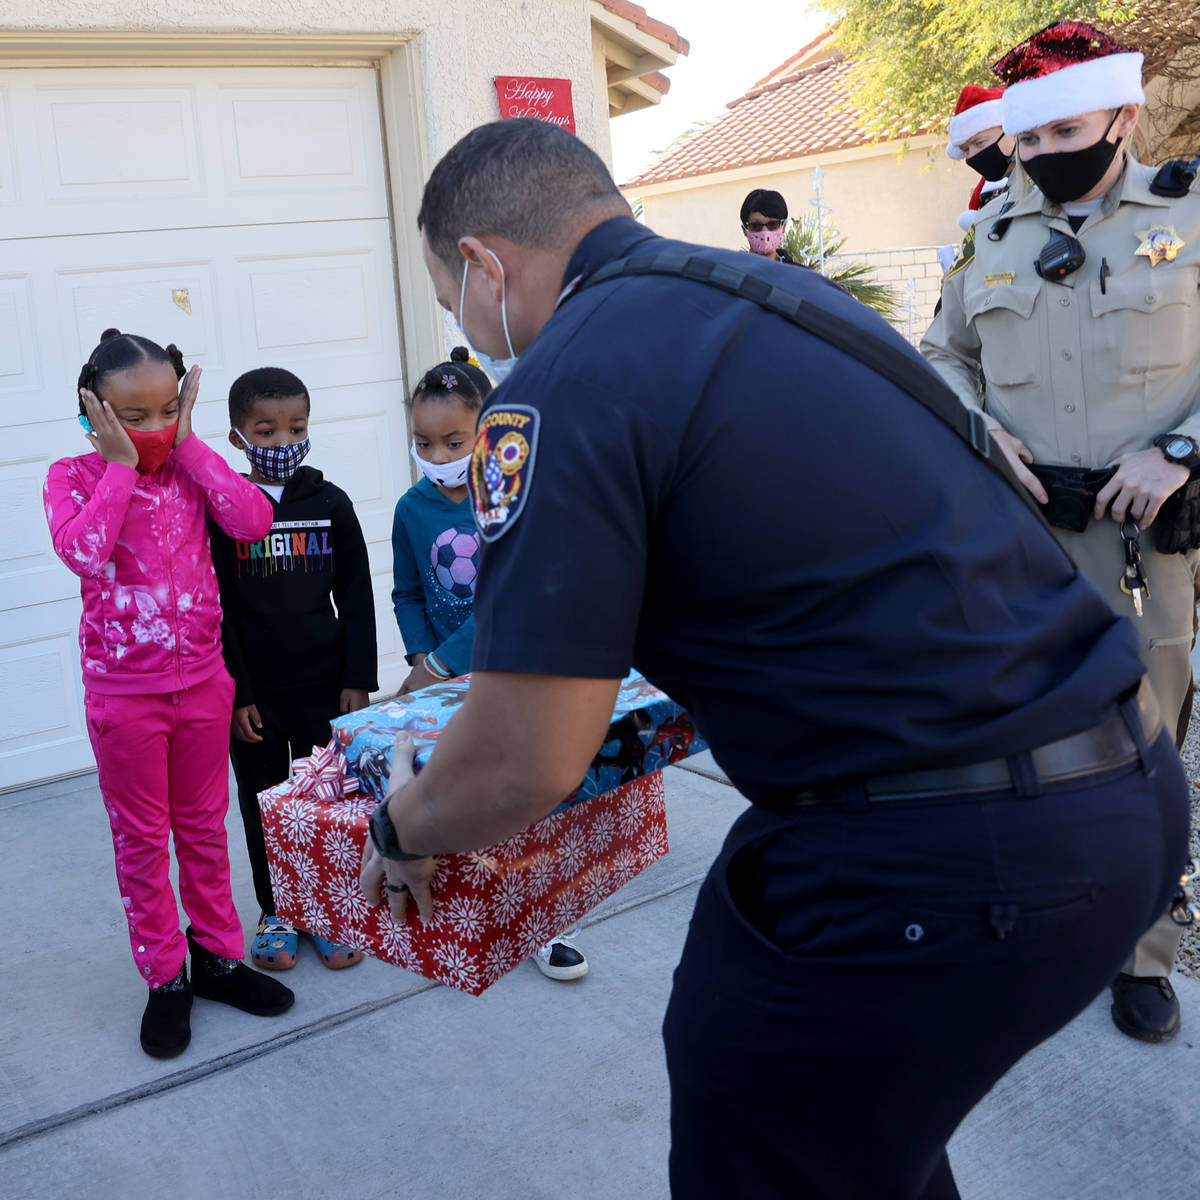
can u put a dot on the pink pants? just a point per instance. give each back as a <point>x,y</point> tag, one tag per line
<point>164,768</point>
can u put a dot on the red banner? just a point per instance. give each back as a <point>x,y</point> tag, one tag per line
<point>544,99</point>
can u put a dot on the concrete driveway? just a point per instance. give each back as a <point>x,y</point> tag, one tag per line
<point>381,1084</point>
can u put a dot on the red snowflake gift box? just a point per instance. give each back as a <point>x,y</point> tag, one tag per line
<point>493,907</point>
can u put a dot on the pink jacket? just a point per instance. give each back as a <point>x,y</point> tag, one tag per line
<point>151,609</point>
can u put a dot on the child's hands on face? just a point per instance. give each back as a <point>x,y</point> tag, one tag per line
<point>246,724</point>
<point>108,436</point>
<point>352,699</point>
<point>189,386</point>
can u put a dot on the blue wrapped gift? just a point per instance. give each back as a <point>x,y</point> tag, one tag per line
<point>649,731</point>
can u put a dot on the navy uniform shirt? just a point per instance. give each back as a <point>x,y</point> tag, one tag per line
<point>823,573</point>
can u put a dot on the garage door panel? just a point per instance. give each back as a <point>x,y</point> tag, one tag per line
<point>311,139</point>
<point>8,173</point>
<point>304,307</point>
<point>170,302</point>
<point>26,537</point>
<point>103,152</point>
<point>118,144</point>
<point>42,732</point>
<point>18,350</point>
<point>36,712</point>
<point>315,296</point>
<point>392,667</point>
<point>30,572</point>
<point>357,455</point>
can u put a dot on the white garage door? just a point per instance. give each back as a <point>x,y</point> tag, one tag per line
<point>239,213</point>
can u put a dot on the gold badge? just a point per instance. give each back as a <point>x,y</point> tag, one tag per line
<point>999,277</point>
<point>1160,243</point>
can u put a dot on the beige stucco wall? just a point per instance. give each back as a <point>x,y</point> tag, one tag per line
<point>462,45</point>
<point>880,202</point>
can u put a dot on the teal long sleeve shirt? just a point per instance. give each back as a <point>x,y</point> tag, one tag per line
<point>435,556</point>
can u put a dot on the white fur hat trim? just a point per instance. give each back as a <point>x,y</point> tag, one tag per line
<point>975,120</point>
<point>1084,87</point>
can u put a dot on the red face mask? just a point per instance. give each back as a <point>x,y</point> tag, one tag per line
<point>153,446</point>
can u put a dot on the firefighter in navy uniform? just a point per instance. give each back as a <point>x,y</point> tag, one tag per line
<point>1079,301</point>
<point>961,796</point>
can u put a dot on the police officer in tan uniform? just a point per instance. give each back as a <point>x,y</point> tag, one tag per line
<point>1075,302</point>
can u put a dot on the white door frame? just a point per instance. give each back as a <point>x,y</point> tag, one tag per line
<point>395,57</point>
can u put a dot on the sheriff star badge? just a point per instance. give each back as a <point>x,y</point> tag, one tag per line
<point>1159,244</point>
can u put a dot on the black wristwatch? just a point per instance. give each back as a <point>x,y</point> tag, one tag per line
<point>384,839</point>
<point>1179,448</point>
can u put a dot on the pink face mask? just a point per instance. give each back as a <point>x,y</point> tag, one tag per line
<point>766,242</point>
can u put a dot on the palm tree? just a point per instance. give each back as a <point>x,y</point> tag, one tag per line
<point>802,243</point>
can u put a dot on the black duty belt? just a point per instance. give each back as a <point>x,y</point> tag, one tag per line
<point>1105,747</point>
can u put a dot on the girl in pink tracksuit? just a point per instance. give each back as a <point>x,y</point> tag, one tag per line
<point>129,520</point>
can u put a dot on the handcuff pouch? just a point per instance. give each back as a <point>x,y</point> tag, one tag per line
<point>1072,493</point>
<point>1177,526</point>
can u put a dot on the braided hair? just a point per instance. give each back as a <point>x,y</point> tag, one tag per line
<point>459,379</point>
<point>118,351</point>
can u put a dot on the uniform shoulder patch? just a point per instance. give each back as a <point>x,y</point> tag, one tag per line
<point>966,254</point>
<point>502,467</point>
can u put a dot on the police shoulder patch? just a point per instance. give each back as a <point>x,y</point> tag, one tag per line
<point>502,467</point>
<point>966,254</point>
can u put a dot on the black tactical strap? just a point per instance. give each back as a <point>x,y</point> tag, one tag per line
<point>911,376</point>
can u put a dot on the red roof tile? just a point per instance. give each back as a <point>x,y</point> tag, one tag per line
<point>647,24</point>
<point>808,112</point>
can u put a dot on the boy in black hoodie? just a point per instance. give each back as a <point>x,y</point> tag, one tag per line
<point>296,662</point>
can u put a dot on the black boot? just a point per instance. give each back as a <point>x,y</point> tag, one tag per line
<point>166,1023</point>
<point>228,981</point>
<point>1145,1007</point>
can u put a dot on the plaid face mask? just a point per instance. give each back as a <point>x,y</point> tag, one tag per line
<point>276,464</point>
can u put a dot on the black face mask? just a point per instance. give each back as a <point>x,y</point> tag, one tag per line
<point>1066,175</point>
<point>991,162</point>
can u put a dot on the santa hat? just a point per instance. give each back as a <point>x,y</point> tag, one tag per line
<point>985,189</point>
<point>978,108</point>
<point>1066,70</point>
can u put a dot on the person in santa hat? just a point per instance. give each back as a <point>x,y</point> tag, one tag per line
<point>1078,303</point>
<point>977,137</point>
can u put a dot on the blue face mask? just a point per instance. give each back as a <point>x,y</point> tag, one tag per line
<point>498,369</point>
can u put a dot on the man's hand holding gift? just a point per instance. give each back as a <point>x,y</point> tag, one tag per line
<point>400,878</point>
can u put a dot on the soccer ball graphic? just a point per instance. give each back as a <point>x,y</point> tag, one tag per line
<point>455,558</point>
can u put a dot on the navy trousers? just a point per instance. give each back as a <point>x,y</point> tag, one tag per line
<point>856,978</point>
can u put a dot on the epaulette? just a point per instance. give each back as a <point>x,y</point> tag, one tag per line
<point>965,255</point>
<point>1175,178</point>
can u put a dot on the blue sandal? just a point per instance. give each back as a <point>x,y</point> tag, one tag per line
<point>275,946</point>
<point>334,956</point>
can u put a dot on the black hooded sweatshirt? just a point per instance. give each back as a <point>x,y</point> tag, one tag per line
<point>279,626</point>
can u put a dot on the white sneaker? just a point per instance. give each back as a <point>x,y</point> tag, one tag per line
<point>561,959</point>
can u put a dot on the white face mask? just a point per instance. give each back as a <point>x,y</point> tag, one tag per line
<point>448,475</point>
<point>498,369</point>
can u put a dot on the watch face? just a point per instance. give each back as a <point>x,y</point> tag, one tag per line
<point>1179,447</point>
